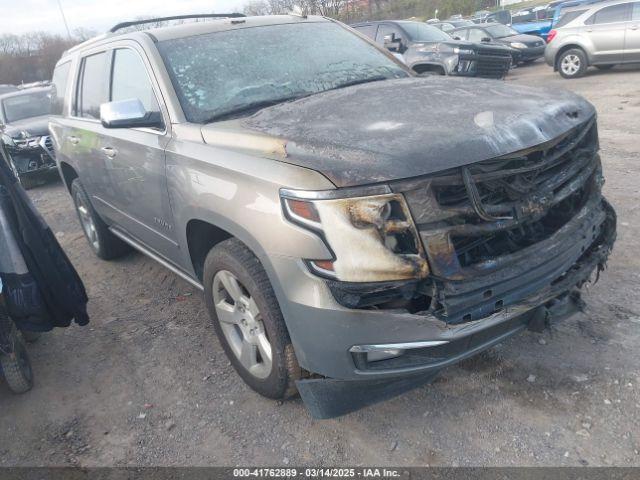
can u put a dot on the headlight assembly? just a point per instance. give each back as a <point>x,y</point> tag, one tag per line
<point>518,45</point>
<point>372,239</point>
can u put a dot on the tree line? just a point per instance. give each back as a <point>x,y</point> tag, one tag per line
<point>358,10</point>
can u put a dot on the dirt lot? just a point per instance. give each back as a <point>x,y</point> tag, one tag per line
<point>146,383</point>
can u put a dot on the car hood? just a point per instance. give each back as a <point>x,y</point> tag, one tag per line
<point>34,127</point>
<point>396,129</point>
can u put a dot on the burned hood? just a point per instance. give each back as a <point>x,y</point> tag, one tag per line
<point>32,127</point>
<point>396,129</point>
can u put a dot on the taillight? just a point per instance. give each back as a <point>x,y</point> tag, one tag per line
<point>552,34</point>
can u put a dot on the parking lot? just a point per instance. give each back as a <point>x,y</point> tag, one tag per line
<point>147,383</point>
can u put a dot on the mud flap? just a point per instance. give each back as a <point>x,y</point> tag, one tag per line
<point>328,398</point>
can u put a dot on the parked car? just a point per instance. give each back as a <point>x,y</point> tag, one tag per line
<point>425,48</point>
<point>603,35</point>
<point>24,116</point>
<point>5,88</point>
<point>449,25</point>
<point>350,223</point>
<point>524,48</point>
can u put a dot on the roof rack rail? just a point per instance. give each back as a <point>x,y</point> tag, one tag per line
<point>122,25</point>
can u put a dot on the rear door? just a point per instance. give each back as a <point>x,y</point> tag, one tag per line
<point>606,29</point>
<point>134,158</point>
<point>632,36</point>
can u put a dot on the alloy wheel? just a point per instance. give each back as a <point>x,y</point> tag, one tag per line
<point>241,323</point>
<point>86,220</point>
<point>570,64</point>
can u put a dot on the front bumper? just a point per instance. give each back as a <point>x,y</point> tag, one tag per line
<point>532,53</point>
<point>34,159</point>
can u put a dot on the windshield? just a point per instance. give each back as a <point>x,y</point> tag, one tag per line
<point>26,106</point>
<point>421,32</point>
<point>500,31</point>
<point>224,72</point>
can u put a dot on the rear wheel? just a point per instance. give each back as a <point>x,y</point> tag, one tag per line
<point>248,321</point>
<point>103,243</point>
<point>16,367</point>
<point>572,63</point>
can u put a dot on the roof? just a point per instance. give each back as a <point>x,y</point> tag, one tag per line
<point>203,28</point>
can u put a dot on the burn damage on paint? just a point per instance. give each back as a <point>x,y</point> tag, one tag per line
<point>505,202</point>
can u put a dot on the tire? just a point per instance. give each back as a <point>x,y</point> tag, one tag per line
<point>244,318</point>
<point>16,368</point>
<point>605,67</point>
<point>103,243</point>
<point>572,63</point>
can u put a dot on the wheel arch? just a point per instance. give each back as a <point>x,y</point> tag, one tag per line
<point>423,67</point>
<point>68,174</point>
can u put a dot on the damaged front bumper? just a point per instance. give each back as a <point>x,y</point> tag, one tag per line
<point>509,244</point>
<point>32,157</point>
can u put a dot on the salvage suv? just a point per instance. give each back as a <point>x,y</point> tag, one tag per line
<point>352,225</point>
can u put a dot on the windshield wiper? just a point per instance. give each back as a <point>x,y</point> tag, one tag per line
<point>250,107</point>
<point>359,82</point>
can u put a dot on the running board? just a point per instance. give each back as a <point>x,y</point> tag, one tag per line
<point>125,238</point>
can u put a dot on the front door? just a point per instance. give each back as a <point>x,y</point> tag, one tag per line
<point>134,159</point>
<point>606,30</point>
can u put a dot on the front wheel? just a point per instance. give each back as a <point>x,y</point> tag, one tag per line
<point>248,321</point>
<point>572,63</point>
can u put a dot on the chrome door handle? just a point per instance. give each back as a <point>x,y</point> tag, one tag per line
<point>73,140</point>
<point>109,152</point>
<point>634,27</point>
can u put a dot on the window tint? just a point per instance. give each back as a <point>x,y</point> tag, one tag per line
<point>93,89</point>
<point>636,11</point>
<point>567,17</point>
<point>386,29</point>
<point>368,30</point>
<point>59,87</point>
<point>476,35</point>
<point>130,79</point>
<point>614,13</point>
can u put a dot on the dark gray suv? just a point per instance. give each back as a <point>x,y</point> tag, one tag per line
<point>354,228</point>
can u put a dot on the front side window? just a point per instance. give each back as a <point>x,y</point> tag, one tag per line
<point>385,30</point>
<point>130,79</point>
<point>225,73</point>
<point>612,14</point>
<point>461,34</point>
<point>92,91</point>
<point>29,105</point>
<point>368,30</point>
<point>636,11</point>
<point>59,89</point>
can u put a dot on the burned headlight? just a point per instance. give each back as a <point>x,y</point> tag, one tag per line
<point>372,238</point>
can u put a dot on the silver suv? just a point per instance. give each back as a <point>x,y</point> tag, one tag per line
<point>354,227</point>
<point>602,35</point>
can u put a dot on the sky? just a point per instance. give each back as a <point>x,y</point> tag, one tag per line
<point>20,16</point>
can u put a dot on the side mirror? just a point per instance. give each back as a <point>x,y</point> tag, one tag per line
<point>392,43</point>
<point>456,38</point>
<point>128,114</point>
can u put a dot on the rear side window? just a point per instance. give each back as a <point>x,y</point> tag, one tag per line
<point>368,30</point>
<point>59,87</point>
<point>567,17</point>
<point>130,79</point>
<point>612,14</point>
<point>92,91</point>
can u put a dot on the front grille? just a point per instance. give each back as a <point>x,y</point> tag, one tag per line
<point>492,63</point>
<point>501,225</point>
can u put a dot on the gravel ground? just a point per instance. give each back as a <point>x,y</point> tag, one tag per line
<point>146,383</point>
